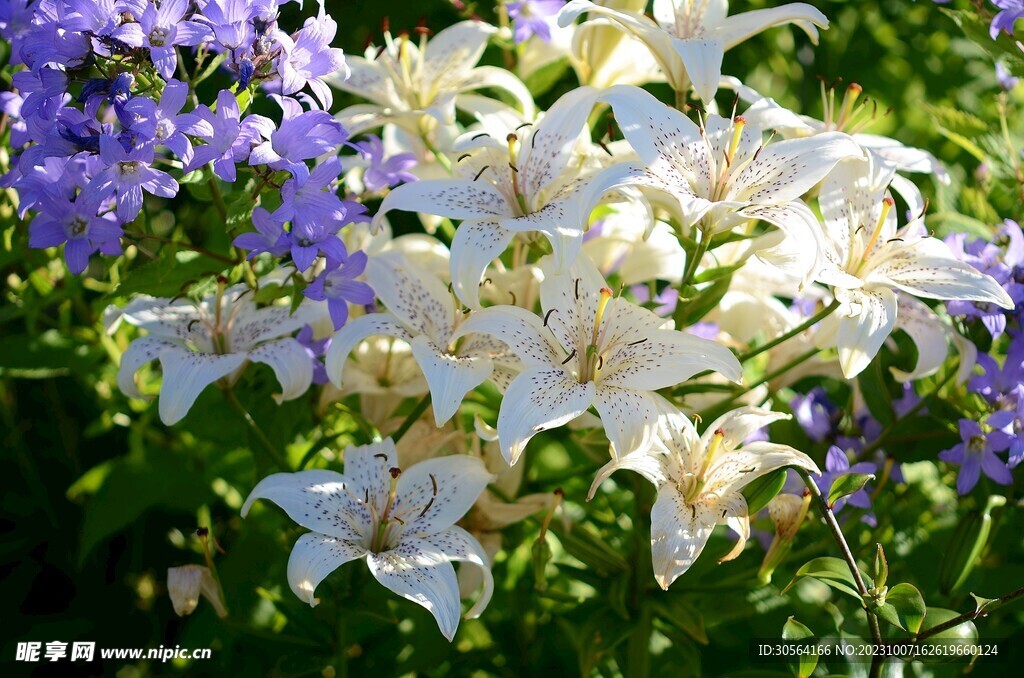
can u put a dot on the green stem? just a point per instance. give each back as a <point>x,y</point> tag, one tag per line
<point>416,413</point>
<point>891,428</point>
<point>844,548</point>
<point>694,262</point>
<point>135,235</point>
<point>774,374</point>
<point>810,322</point>
<point>969,616</point>
<point>442,159</point>
<point>271,452</point>
<point>218,199</point>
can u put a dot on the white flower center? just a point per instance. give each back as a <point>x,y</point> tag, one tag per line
<point>158,36</point>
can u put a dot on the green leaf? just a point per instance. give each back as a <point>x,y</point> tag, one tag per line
<point>909,606</point>
<point>699,304</point>
<point>762,490</point>
<point>966,545</point>
<point>847,484</point>
<point>876,392</point>
<point>47,355</point>
<point>128,487</point>
<point>169,274</point>
<point>794,630</point>
<point>716,273</point>
<point>582,543</point>
<point>831,571</point>
<point>939,648</point>
<point>545,77</point>
<point>684,616</point>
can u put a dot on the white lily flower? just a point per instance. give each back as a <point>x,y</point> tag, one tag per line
<point>406,82</point>
<point>868,260</point>
<point>200,343</point>
<point>526,182</point>
<point>699,480</point>
<point>619,240</point>
<point>603,55</point>
<point>722,174</point>
<point>401,521</point>
<point>422,312</point>
<point>688,38</point>
<point>852,116</point>
<point>590,349</point>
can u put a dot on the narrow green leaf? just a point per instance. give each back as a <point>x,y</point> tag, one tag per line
<point>847,484</point>
<point>831,571</point>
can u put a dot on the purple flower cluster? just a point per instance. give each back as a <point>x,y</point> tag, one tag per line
<point>1003,259</point>
<point>533,17</point>
<point>1009,12</point>
<point>98,119</point>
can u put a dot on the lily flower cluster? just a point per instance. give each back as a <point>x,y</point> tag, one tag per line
<point>649,263</point>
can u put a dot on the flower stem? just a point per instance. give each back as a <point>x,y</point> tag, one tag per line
<point>218,199</point>
<point>844,548</point>
<point>135,235</point>
<point>694,262</point>
<point>891,428</point>
<point>969,616</point>
<point>271,452</point>
<point>810,322</point>
<point>417,411</point>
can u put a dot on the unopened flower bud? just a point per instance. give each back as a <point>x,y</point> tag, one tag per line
<point>185,584</point>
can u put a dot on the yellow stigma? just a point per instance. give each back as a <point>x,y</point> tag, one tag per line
<point>513,163</point>
<point>887,204</point>
<point>738,123</point>
<point>606,296</point>
<point>697,484</point>
<point>849,99</point>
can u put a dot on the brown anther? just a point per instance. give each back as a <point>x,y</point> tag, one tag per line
<point>385,24</point>
<point>559,492</point>
<point>203,532</point>
<point>221,280</point>
<point>421,27</point>
<point>512,136</point>
<point>888,201</point>
<point>547,316</point>
<point>395,472</point>
<point>854,87</point>
<point>381,456</point>
<point>433,483</point>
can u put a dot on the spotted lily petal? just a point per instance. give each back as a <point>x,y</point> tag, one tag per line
<point>539,398</point>
<point>419,571</point>
<point>318,500</point>
<point>315,556</point>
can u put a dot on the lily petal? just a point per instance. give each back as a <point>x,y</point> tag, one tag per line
<point>291,365</point>
<point>871,317</point>
<point>354,332</point>
<point>461,546</point>
<point>539,398</point>
<point>521,330</point>
<point>433,494</point>
<point>679,533</point>
<point>703,61</point>
<point>450,377</point>
<point>418,298</point>
<point>186,374</point>
<point>315,556</point>
<point>476,244</point>
<point>739,27</point>
<point>630,418</point>
<point>318,500</point>
<point>419,571</point>
<point>736,469</point>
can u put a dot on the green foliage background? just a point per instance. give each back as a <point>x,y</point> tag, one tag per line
<point>100,498</point>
